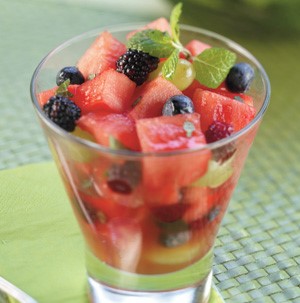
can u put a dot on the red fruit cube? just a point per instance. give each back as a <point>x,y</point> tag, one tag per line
<point>152,98</point>
<point>196,47</point>
<point>222,90</point>
<point>104,126</point>
<point>167,133</point>
<point>45,95</point>
<point>110,91</point>
<point>161,24</point>
<point>215,107</point>
<point>101,55</point>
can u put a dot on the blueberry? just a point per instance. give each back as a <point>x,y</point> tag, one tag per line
<point>239,77</point>
<point>174,234</point>
<point>178,104</point>
<point>175,239</point>
<point>69,72</point>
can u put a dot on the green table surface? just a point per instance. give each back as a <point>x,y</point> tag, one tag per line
<point>257,255</point>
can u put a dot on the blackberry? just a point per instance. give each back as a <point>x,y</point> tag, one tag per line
<point>217,131</point>
<point>69,72</point>
<point>136,65</point>
<point>63,112</point>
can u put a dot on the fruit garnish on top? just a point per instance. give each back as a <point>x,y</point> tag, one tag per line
<point>150,76</point>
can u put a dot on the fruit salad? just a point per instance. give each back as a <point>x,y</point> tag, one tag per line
<point>151,197</point>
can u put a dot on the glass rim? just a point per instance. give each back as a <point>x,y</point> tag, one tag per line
<point>124,152</point>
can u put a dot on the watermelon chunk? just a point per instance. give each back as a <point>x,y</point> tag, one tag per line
<point>153,97</point>
<point>196,47</point>
<point>222,90</point>
<point>164,176</point>
<point>101,55</point>
<point>45,95</point>
<point>105,127</point>
<point>161,24</point>
<point>126,238</point>
<point>215,107</point>
<point>110,91</point>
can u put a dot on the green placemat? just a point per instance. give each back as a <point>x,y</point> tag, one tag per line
<point>41,249</point>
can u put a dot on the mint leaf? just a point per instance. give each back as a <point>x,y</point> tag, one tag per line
<point>189,127</point>
<point>62,89</point>
<point>152,41</point>
<point>213,65</point>
<point>136,101</point>
<point>91,76</point>
<point>174,19</point>
<point>169,67</point>
<point>238,98</point>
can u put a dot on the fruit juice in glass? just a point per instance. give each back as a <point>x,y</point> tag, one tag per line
<point>149,218</point>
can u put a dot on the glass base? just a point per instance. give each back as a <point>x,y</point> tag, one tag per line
<point>100,293</point>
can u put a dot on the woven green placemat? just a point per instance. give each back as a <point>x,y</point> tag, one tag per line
<point>41,247</point>
<point>257,252</point>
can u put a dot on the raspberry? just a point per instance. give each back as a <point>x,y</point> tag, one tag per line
<point>136,65</point>
<point>217,131</point>
<point>63,112</point>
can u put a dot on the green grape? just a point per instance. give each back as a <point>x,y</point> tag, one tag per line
<point>183,77</point>
<point>184,74</point>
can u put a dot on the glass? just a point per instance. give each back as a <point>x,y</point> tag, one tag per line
<point>148,220</point>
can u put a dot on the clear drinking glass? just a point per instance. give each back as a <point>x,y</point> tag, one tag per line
<point>149,224</point>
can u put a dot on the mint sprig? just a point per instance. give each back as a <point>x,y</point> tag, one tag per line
<point>169,67</point>
<point>189,128</point>
<point>62,89</point>
<point>211,66</point>
<point>174,20</point>
<point>152,41</point>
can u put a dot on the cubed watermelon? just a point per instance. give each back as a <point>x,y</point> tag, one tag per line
<point>45,95</point>
<point>215,107</point>
<point>107,127</point>
<point>161,24</point>
<point>125,236</point>
<point>222,90</point>
<point>101,55</point>
<point>196,47</point>
<point>152,98</point>
<point>109,91</point>
<point>163,175</point>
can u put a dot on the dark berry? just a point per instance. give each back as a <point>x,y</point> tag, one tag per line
<point>217,131</point>
<point>69,72</point>
<point>200,223</point>
<point>136,65</point>
<point>123,178</point>
<point>175,239</point>
<point>170,213</point>
<point>63,112</point>
<point>174,234</point>
<point>178,104</point>
<point>240,77</point>
<point>213,214</point>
